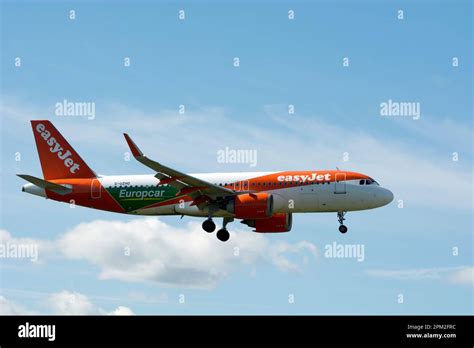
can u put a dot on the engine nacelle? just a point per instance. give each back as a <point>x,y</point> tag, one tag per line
<point>279,222</point>
<point>251,206</point>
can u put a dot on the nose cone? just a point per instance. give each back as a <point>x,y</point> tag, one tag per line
<point>384,196</point>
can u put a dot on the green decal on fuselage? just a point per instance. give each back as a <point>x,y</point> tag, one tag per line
<point>136,197</point>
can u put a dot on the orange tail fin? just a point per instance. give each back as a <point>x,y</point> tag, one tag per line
<point>58,158</point>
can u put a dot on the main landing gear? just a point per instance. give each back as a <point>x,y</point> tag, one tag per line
<point>209,225</point>
<point>223,235</point>
<point>340,218</point>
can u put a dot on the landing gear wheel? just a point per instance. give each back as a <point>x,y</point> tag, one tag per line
<point>209,226</point>
<point>223,235</point>
<point>341,218</point>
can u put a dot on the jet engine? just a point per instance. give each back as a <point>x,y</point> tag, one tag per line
<point>251,206</point>
<point>279,222</point>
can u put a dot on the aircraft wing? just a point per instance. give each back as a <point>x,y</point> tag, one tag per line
<point>186,184</point>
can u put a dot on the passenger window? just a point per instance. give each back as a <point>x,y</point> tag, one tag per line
<point>361,182</point>
<point>367,182</point>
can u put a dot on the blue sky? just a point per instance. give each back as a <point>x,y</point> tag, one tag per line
<point>407,250</point>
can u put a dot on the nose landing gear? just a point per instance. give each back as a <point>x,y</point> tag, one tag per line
<point>340,218</point>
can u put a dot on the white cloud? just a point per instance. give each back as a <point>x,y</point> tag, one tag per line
<point>159,253</point>
<point>279,251</point>
<point>121,310</point>
<point>66,302</point>
<point>458,275</point>
<point>463,276</point>
<point>8,307</point>
<point>61,303</point>
<point>150,250</point>
<point>443,130</point>
<point>23,248</point>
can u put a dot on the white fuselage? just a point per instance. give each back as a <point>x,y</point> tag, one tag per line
<point>348,195</point>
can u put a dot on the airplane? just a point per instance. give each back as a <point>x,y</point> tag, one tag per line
<point>264,201</point>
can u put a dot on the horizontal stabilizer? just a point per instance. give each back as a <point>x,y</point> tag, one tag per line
<point>47,185</point>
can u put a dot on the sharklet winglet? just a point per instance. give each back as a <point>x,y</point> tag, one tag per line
<point>136,152</point>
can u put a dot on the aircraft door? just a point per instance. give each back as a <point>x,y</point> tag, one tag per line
<point>340,183</point>
<point>237,186</point>
<point>241,185</point>
<point>95,189</point>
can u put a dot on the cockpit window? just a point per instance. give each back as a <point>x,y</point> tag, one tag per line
<point>372,181</point>
<point>368,181</point>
